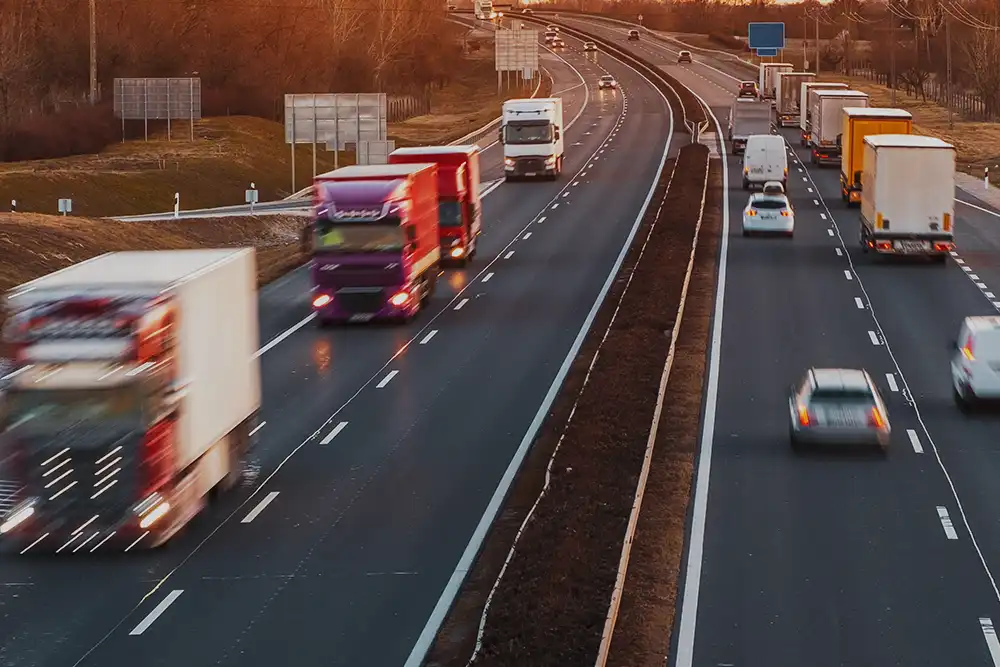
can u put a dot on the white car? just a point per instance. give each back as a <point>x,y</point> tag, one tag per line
<point>975,362</point>
<point>769,213</point>
<point>589,46</point>
<point>607,81</point>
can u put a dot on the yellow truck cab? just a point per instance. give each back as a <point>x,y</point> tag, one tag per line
<point>858,123</point>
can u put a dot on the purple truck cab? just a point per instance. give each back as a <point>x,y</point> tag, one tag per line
<point>374,245</point>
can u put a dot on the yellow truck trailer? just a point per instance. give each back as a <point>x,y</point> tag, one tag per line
<point>858,123</point>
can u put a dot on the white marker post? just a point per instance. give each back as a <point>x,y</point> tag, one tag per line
<point>65,206</point>
<point>13,206</point>
<point>252,196</point>
<point>177,204</point>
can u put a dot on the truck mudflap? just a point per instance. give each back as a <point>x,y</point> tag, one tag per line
<point>937,246</point>
<point>788,120</point>
<point>850,194</point>
<point>825,155</point>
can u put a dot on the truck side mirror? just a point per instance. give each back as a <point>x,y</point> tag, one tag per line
<point>557,133</point>
<point>500,134</point>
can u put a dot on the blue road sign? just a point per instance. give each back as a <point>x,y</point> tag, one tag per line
<point>766,35</point>
<point>762,53</point>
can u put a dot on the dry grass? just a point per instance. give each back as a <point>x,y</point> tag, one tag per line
<point>227,155</point>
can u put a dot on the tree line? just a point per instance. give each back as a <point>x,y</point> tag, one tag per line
<point>248,54</point>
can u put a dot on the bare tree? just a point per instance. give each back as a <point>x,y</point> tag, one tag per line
<point>983,53</point>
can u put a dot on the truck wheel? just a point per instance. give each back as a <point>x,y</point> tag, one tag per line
<point>746,184</point>
<point>939,259</point>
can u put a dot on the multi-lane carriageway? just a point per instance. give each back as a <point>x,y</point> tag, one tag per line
<point>837,560</point>
<point>382,447</point>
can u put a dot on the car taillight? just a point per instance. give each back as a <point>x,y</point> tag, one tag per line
<point>751,212</point>
<point>884,245</point>
<point>805,419</point>
<point>157,456</point>
<point>942,247</point>
<point>967,350</point>
<point>785,213</point>
<point>875,418</point>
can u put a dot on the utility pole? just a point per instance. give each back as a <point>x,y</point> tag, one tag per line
<point>947,37</point>
<point>892,54</point>
<point>847,38</point>
<point>805,41</point>
<point>817,43</point>
<point>93,52</point>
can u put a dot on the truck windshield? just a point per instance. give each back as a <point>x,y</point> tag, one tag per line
<point>386,234</point>
<point>450,213</point>
<point>528,132</point>
<point>47,409</point>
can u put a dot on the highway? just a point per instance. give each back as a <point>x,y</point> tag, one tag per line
<point>838,559</point>
<point>382,447</point>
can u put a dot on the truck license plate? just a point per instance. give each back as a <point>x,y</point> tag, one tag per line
<point>912,246</point>
<point>530,173</point>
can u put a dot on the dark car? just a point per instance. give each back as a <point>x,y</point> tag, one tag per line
<point>633,35</point>
<point>748,89</point>
<point>684,57</point>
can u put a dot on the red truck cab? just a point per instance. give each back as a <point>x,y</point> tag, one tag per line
<point>459,205</point>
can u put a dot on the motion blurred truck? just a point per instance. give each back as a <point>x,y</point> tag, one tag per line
<point>827,124</point>
<point>136,393</point>
<point>858,123</point>
<point>787,88</point>
<point>908,196</point>
<point>806,102</point>
<point>531,131</point>
<point>374,242</point>
<point>459,206</point>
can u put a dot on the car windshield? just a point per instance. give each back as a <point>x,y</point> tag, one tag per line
<point>769,204</point>
<point>385,234</point>
<point>607,78</point>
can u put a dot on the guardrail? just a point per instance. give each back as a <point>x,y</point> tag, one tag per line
<point>692,112</point>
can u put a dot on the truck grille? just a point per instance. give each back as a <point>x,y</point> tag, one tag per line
<point>361,301</point>
<point>536,164</point>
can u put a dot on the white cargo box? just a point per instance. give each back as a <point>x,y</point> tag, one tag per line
<point>826,113</point>
<point>908,183</point>
<point>806,100</point>
<point>215,293</point>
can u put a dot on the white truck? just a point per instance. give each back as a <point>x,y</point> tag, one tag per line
<point>827,122</point>
<point>531,131</point>
<point>805,105</point>
<point>136,393</point>
<point>787,88</point>
<point>746,118</point>
<point>766,75</point>
<point>908,196</point>
<point>484,10</point>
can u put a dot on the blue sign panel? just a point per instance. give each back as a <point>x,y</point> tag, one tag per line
<point>763,53</point>
<point>766,35</point>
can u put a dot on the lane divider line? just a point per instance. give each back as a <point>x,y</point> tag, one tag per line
<point>386,380</point>
<point>156,613</point>
<point>949,529</point>
<point>335,432</point>
<point>255,512</point>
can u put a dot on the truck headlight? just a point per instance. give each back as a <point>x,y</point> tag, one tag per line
<point>508,162</point>
<point>550,161</point>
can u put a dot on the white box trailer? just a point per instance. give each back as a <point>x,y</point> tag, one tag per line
<point>908,195</point>
<point>787,88</point>
<point>827,122</point>
<point>766,76</point>
<point>806,100</point>
<point>145,359</point>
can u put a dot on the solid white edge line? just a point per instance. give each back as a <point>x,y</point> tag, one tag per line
<point>978,208</point>
<point>156,613</point>
<point>695,552</point>
<point>923,424</point>
<point>261,506</point>
<point>467,559</point>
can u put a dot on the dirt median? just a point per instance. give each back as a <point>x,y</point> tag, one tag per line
<point>550,606</point>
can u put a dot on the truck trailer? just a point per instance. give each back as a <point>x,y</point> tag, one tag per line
<point>136,393</point>
<point>531,131</point>
<point>787,88</point>
<point>826,122</point>
<point>806,102</point>
<point>459,208</point>
<point>908,196</point>
<point>766,76</point>
<point>858,123</point>
<point>748,117</point>
<point>374,241</point>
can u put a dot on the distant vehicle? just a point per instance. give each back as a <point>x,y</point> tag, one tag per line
<point>558,43</point>
<point>633,35</point>
<point>684,57</point>
<point>974,366</point>
<point>374,242</point>
<point>483,10</point>
<point>859,123</point>
<point>748,89</point>
<point>806,102</point>
<point>589,46</point>
<point>527,10</point>
<point>837,406</point>
<point>747,118</point>
<point>550,37</point>
<point>138,385</point>
<point>827,122</point>
<point>764,160</point>
<point>769,212</point>
<point>553,28</point>
<point>607,81</point>
<point>531,131</point>
<point>787,92</point>
<point>765,76</point>
<point>452,8</point>
<point>908,199</point>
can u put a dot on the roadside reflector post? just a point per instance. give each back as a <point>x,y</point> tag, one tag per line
<point>65,206</point>
<point>252,197</point>
<point>177,204</point>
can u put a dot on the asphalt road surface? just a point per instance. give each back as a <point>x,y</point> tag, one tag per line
<point>840,559</point>
<point>382,446</point>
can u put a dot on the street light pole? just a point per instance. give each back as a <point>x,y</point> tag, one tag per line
<point>93,51</point>
<point>951,105</point>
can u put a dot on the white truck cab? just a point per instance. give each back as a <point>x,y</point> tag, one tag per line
<point>975,363</point>
<point>531,131</point>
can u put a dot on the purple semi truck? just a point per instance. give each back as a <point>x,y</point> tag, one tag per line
<point>374,242</point>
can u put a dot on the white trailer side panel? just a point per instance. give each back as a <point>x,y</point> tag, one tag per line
<point>218,340</point>
<point>914,187</point>
<point>827,113</point>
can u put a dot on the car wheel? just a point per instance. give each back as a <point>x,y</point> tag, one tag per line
<point>963,403</point>
<point>746,184</point>
<point>794,442</point>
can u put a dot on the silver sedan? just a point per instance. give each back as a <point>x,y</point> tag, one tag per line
<point>837,406</point>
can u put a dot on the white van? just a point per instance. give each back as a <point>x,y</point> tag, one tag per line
<point>975,365</point>
<point>765,160</point>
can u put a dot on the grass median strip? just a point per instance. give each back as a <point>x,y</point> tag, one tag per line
<point>550,606</point>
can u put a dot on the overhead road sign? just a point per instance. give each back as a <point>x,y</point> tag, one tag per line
<point>766,53</point>
<point>766,35</point>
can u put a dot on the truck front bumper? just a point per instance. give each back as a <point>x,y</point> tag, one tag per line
<point>529,167</point>
<point>364,304</point>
